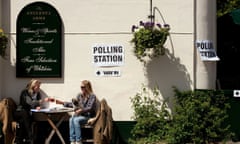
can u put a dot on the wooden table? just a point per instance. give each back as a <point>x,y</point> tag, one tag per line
<point>48,113</point>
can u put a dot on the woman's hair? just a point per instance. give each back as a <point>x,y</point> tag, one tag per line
<point>31,84</point>
<point>88,86</point>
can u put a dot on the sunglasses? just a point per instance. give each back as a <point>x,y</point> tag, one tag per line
<point>83,87</point>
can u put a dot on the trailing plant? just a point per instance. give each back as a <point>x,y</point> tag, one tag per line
<point>151,116</point>
<point>149,39</point>
<point>199,117</point>
<point>3,43</point>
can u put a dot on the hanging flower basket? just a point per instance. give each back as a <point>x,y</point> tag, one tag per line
<point>3,43</point>
<point>149,39</point>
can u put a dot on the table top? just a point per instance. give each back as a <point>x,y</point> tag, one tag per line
<point>53,110</point>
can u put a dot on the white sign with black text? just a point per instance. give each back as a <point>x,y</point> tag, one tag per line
<point>108,73</point>
<point>206,50</point>
<point>108,54</point>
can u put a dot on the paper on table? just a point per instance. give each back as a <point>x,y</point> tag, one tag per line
<point>52,109</point>
<point>41,110</point>
<point>53,105</point>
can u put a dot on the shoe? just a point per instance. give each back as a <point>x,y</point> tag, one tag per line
<point>29,140</point>
<point>79,142</point>
<point>73,142</point>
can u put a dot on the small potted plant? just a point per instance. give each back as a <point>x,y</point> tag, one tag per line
<point>3,43</point>
<point>149,39</point>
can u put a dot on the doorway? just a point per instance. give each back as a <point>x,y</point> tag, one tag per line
<point>228,50</point>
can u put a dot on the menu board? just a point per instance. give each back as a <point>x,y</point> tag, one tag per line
<point>39,41</point>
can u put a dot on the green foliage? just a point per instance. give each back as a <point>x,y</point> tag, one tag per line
<point>226,6</point>
<point>151,115</point>
<point>149,39</point>
<point>199,117</point>
<point>3,43</point>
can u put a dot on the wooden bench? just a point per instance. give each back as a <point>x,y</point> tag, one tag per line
<point>87,133</point>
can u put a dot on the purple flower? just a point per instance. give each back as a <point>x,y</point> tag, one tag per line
<point>133,28</point>
<point>166,25</point>
<point>159,25</point>
<point>152,24</point>
<point>149,25</point>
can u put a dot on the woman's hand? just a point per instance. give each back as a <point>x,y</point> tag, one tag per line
<point>48,99</point>
<point>78,111</point>
<point>59,102</point>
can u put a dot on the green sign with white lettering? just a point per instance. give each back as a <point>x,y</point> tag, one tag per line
<point>39,41</point>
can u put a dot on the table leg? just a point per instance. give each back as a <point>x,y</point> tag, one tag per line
<point>55,129</point>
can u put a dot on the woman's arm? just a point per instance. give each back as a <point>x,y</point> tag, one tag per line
<point>65,104</point>
<point>37,102</point>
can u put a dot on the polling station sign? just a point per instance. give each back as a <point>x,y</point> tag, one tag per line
<point>108,54</point>
<point>206,50</point>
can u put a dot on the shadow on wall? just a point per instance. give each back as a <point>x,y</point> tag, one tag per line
<point>166,72</point>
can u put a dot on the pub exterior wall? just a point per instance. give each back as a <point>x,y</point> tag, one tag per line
<point>86,23</point>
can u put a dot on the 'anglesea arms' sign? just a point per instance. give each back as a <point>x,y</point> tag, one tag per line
<point>39,41</point>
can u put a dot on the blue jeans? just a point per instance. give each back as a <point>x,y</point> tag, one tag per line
<point>75,123</point>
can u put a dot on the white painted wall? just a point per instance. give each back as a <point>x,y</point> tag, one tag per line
<point>206,70</point>
<point>109,21</point>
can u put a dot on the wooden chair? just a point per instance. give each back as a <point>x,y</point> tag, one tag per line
<point>7,108</point>
<point>87,133</point>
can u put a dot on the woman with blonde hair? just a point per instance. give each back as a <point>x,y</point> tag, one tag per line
<point>30,98</point>
<point>86,109</point>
